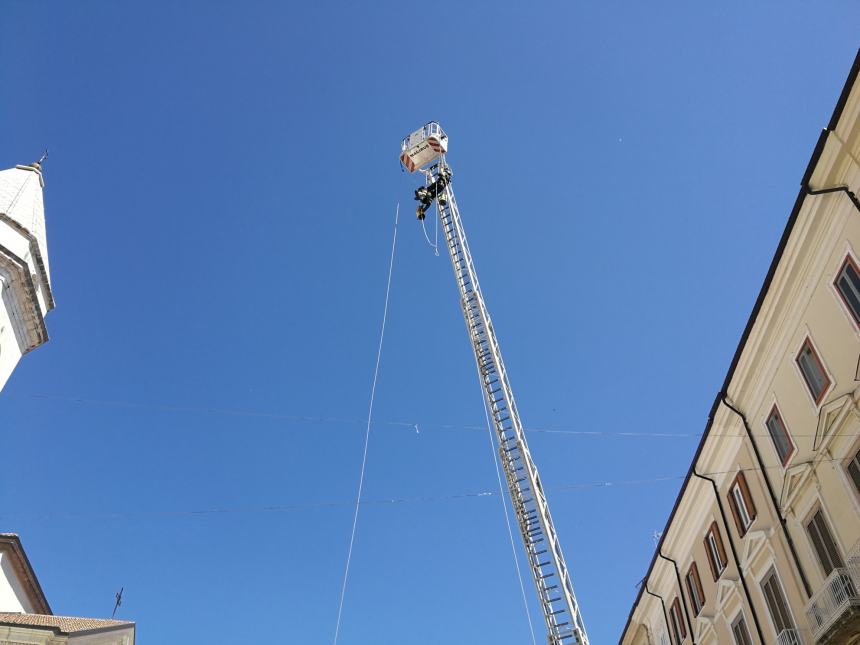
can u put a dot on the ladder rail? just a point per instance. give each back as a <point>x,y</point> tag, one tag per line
<point>543,549</point>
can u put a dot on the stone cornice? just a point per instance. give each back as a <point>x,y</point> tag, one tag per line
<point>37,332</point>
<point>36,252</point>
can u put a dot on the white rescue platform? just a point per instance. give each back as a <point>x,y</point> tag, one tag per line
<point>423,146</point>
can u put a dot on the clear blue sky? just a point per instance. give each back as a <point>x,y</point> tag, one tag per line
<point>220,196</point>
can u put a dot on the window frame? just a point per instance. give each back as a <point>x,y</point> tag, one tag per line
<point>772,573</point>
<point>740,482</point>
<point>807,342</point>
<point>737,620</point>
<point>818,510</point>
<point>716,553</point>
<point>846,261</point>
<point>775,413</point>
<point>853,456</point>
<point>679,632</point>
<point>694,586</point>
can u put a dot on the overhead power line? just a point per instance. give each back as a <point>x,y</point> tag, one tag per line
<point>411,425</point>
<point>382,501</point>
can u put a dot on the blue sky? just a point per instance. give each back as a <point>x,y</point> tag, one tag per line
<point>220,197</point>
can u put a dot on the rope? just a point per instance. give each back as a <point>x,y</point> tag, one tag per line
<point>435,247</point>
<point>507,517</point>
<point>367,430</point>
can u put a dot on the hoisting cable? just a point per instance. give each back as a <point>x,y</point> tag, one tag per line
<point>502,497</point>
<point>367,430</point>
<point>427,177</point>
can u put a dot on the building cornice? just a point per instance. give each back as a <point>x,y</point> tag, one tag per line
<point>11,545</point>
<point>803,194</point>
<point>37,332</point>
<point>36,253</point>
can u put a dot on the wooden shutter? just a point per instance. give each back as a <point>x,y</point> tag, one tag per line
<point>745,491</point>
<point>724,561</point>
<point>709,553</point>
<point>700,593</point>
<point>823,542</point>
<point>735,513</point>
<point>776,603</point>
<point>678,622</point>
<point>716,567</point>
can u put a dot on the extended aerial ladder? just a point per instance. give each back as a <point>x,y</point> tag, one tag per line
<point>424,150</point>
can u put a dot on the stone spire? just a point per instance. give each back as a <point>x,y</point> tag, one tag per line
<point>21,200</point>
<point>24,279</point>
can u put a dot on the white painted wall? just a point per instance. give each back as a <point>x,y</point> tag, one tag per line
<point>10,348</point>
<point>20,199</point>
<point>12,596</point>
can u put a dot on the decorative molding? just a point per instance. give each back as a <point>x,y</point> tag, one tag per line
<point>830,420</point>
<point>704,623</point>
<point>25,292</point>
<point>725,588</point>
<point>754,542</point>
<point>795,477</point>
<point>36,253</point>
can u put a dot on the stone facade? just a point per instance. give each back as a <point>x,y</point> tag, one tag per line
<point>25,284</point>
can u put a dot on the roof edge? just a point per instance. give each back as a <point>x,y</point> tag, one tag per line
<point>23,567</point>
<point>789,227</point>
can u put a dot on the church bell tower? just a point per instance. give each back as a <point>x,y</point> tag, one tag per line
<point>25,278</point>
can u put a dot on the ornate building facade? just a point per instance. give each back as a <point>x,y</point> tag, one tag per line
<point>25,282</point>
<point>763,543</point>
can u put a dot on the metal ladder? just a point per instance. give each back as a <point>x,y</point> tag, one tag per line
<point>543,549</point>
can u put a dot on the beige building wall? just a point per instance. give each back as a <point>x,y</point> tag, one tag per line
<point>799,307</point>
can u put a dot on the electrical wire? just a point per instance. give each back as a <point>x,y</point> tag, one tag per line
<point>367,430</point>
<point>277,416</point>
<point>390,501</point>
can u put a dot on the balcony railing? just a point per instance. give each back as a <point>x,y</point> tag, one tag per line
<point>789,637</point>
<point>831,602</point>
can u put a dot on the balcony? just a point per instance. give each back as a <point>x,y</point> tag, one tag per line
<point>834,611</point>
<point>789,637</point>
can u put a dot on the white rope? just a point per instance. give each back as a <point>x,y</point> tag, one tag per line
<point>367,430</point>
<point>494,455</point>
<point>427,177</point>
<point>435,247</point>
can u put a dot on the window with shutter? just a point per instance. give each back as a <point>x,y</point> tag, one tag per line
<point>776,603</point>
<point>823,543</point>
<point>740,501</point>
<point>679,632</point>
<point>740,631</point>
<point>715,550</point>
<point>848,285</point>
<point>779,434</point>
<point>853,469</point>
<point>813,371</point>
<point>694,584</point>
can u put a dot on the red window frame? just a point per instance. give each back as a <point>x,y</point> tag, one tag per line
<point>694,585</point>
<point>741,482</point>
<point>808,344</point>
<point>679,631</point>
<point>774,412</point>
<point>717,568</point>
<point>848,260</point>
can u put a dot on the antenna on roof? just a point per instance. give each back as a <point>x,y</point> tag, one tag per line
<point>119,593</point>
<point>43,157</point>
